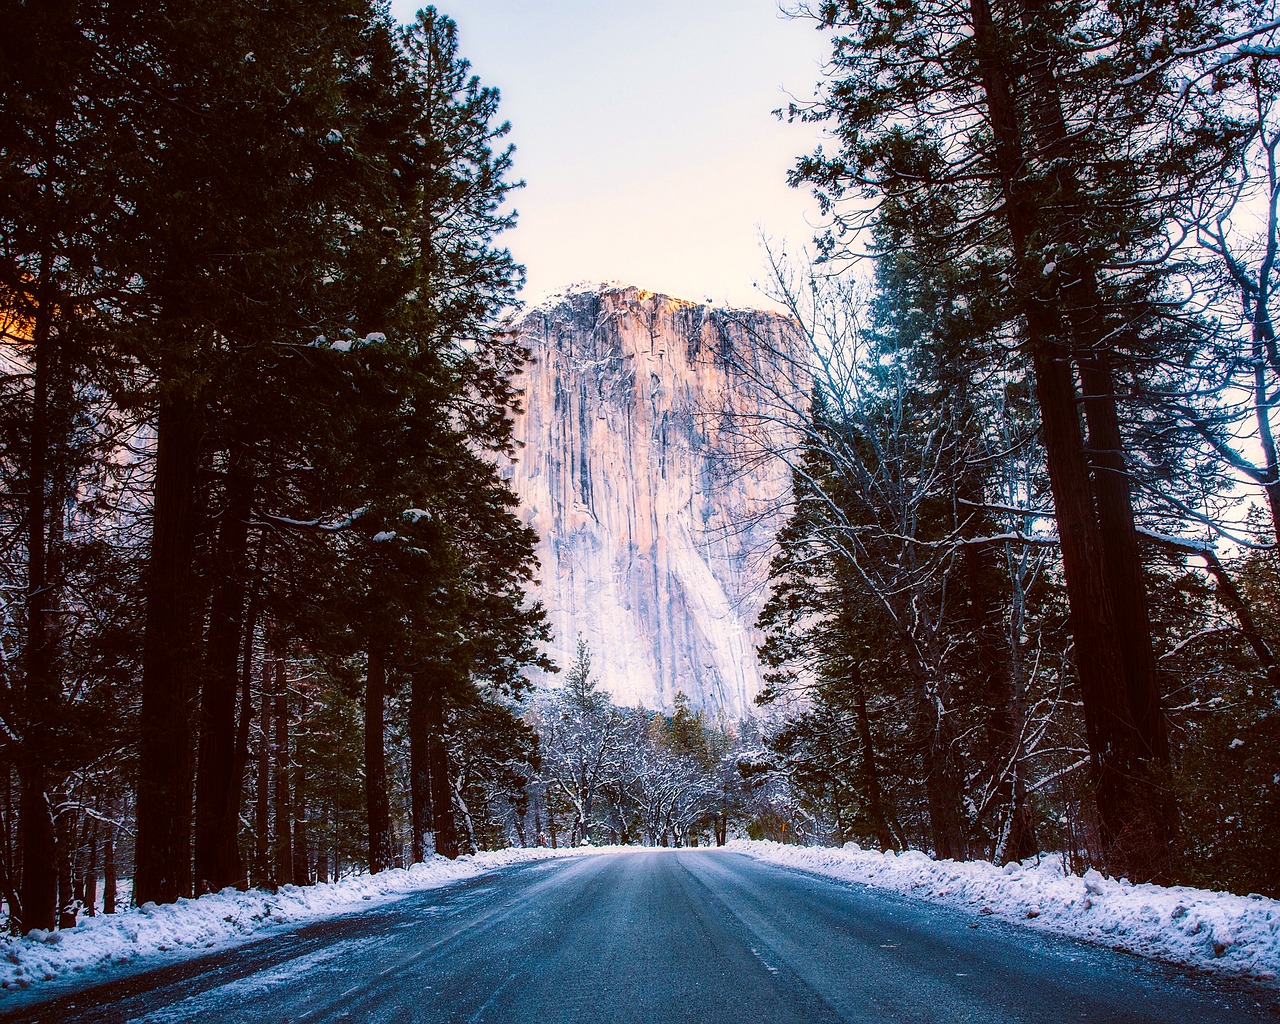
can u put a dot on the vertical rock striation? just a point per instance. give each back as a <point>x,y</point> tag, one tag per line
<point>656,521</point>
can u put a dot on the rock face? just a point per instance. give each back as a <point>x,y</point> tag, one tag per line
<point>640,472</point>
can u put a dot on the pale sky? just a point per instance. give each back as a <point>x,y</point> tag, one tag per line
<point>645,133</point>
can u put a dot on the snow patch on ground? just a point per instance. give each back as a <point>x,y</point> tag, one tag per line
<point>193,926</point>
<point>1216,931</point>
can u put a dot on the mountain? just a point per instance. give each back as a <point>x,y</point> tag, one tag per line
<point>640,471</point>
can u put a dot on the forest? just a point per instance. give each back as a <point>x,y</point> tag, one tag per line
<point>1026,596</point>
<point>252,406</point>
<point>266,599</point>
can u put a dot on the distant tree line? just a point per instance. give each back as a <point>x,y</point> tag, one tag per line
<point>625,776</point>
<point>1021,603</point>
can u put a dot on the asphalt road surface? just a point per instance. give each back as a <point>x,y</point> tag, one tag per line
<point>652,937</point>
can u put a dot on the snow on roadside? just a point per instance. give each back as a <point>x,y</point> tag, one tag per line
<point>193,926</point>
<point>1195,927</point>
<point>1215,931</point>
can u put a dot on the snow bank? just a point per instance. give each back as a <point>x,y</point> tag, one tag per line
<point>1212,930</point>
<point>224,918</point>
<point>1216,931</point>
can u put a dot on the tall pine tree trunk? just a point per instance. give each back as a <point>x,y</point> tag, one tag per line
<point>322,846</point>
<point>89,892</point>
<point>244,725</point>
<point>262,792</point>
<point>38,895</point>
<point>169,662</point>
<point>301,863</point>
<point>872,791</point>
<point>217,849</point>
<point>1139,826</point>
<point>109,889</point>
<point>377,807</point>
<point>280,775</point>
<point>468,826</point>
<point>1019,833</point>
<point>419,763</point>
<point>442,817</point>
<point>9,865</point>
<point>428,701</point>
<point>66,843</point>
<point>998,672</point>
<point>1105,665</point>
<point>943,778</point>
<point>36,842</point>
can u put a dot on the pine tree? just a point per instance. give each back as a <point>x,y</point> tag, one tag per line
<point>227,241</point>
<point>59,120</point>
<point>1059,151</point>
<point>581,738</point>
<point>417,547</point>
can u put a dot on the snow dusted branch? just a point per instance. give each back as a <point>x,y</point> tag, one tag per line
<point>1185,545</point>
<point>1075,766</point>
<point>1211,46</point>
<point>312,524</point>
<point>1227,592</point>
<point>1044,540</point>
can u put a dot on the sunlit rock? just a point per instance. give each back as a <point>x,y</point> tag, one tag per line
<point>641,473</point>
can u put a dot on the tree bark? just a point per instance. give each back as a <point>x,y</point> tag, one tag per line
<point>468,826</point>
<point>301,862</point>
<point>163,861</point>
<point>37,850</point>
<point>442,818</point>
<point>36,842</point>
<point>244,726</point>
<point>89,891</point>
<point>280,774</point>
<point>262,793</point>
<point>1116,687</point>
<point>322,848</point>
<point>872,792</point>
<point>1085,311</point>
<point>218,862</point>
<point>9,866</point>
<point>66,841</point>
<point>377,807</point>
<point>419,764</point>
<point>943,782</point>
<point>109,891</point>
<point>997,668</point>
<point>1020,840</point>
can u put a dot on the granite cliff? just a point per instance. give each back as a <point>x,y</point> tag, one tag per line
<point>656,518</point>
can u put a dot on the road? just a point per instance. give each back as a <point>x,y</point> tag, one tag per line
<point>659,936</point>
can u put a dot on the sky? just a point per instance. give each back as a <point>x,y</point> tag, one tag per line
<point>645,135</point>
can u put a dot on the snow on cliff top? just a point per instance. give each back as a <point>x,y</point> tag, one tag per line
<point>559,297</point>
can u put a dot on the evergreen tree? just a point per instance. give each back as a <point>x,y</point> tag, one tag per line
<point>60,118</point>
<point>276,224</point>
<point>581,741</point>
<point>1056,150</point>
